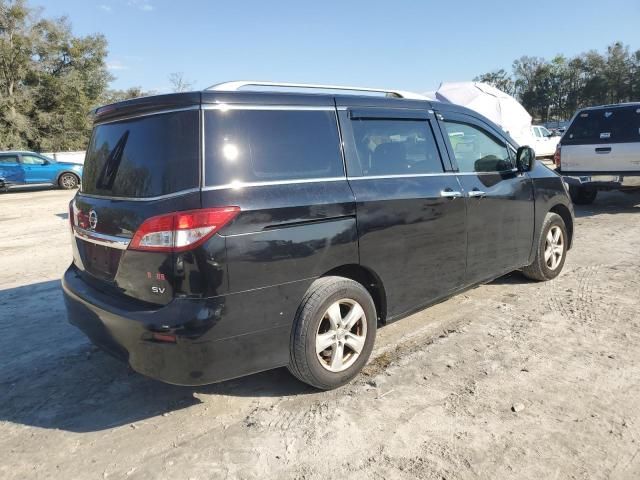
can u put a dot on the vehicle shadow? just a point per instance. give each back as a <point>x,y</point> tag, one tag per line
<point>52,377</point>
<point>610,203</point>
<point>512,278</point>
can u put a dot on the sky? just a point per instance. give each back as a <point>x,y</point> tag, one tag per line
<point>402,44</point>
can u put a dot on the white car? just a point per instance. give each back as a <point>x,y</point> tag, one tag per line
<point>601,151</point>
<point>544,142</point>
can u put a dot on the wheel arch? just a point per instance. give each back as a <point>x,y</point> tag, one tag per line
<point>565,213</point>
<point>369,280</point>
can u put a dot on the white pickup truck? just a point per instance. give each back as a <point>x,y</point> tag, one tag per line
<point>544,142</point>
<point>601,151</point>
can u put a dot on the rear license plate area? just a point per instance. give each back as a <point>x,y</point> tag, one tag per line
<point>99,260</point>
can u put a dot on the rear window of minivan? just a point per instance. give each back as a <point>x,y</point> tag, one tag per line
<point>604,125</point>
<point>245,145</point>
<point>147,156</point>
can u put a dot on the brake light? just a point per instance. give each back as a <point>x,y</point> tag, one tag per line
<point>556,157</point>
<point>180,231</point>
<point>163,337</point>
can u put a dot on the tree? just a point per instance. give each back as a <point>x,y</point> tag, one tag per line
<point>618,72</point>
<point>594,90</point>
<point>49,79</point>
<point>178,82</point>
<point>499,79</point>
<point>69,79</point>
<point>16,46</point>
<point>557,88</point>
<point>634,89</point>
<point>113,96</point>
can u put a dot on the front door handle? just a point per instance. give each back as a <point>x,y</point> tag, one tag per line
<point>448,193</point>
<point>603,150</point>
<point>476,193</point>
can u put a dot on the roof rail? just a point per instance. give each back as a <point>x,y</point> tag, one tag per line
<point>237,85</point>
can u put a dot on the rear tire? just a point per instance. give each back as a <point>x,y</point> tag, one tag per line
<point>583,195</point>
<point>67,181</point>
<point>551,251</point>
<point>333,333</point>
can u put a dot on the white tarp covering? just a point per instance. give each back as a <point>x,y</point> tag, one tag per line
<point>494,104</point>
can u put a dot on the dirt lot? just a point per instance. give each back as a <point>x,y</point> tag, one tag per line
<point>437,400</point>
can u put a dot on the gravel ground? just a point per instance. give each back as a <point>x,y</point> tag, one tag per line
<point>509,380</point>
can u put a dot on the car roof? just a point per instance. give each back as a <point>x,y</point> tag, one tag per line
<point>18,152</point>
<point>153,103</point>
<point>183,99</point>
<point>140,105</point>
<point>612,105</point>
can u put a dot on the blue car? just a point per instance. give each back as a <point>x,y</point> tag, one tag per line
<point>29,168</point>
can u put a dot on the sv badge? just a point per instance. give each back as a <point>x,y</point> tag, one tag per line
<point>158,290</point>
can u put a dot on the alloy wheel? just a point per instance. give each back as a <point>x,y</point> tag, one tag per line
<point>341,335</point>
<point>554,247</point>
<point>68,181</point>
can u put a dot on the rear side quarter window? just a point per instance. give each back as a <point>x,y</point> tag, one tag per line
<point>246,145</point>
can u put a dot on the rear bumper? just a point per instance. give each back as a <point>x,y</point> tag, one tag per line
<point>208,346</point>
<point>604,181</point>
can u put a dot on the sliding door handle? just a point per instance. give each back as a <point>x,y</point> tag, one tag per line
<point>603,150</point>
<point>476,193</point>
<point>450,194</point>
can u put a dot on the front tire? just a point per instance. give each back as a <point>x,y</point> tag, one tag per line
<point>68,181</point>
<point>551,250</point>
<point>333,333</point>
<point>583,195</point>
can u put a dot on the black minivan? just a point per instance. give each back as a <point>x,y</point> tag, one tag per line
<point>224,232</point>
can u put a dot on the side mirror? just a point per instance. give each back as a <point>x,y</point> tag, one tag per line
<point>525,159</point>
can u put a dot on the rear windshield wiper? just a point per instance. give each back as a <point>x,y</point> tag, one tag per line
<point>110,168</point>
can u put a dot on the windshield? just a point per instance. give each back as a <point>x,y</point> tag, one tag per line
<point>143,157</point>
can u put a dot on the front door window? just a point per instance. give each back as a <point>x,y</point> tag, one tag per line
<point>476,150</point>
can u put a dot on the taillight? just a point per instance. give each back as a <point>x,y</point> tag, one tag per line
<point>556,157</point>
<point>180,231</point>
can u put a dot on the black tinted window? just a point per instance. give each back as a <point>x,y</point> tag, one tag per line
<point>395,147</point>
<point>269,145</point>
<point>144,157</point>
<point>605,125</point>
<point>476,150</point>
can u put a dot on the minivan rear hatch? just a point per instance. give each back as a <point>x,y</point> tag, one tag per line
<point>143,160</point>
